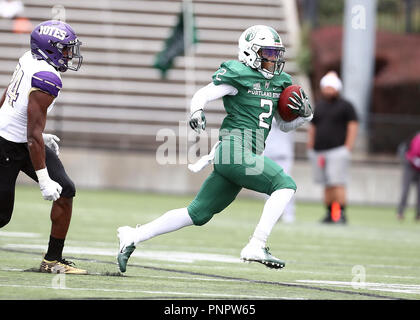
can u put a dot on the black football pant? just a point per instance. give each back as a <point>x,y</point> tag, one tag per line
<point>14,157</point>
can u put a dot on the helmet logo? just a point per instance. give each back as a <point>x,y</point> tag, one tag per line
<point>275,36</point>
<point>53,32</point>
<point>250,35</point>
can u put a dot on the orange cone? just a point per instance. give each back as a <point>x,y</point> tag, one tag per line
<point>335,211</point>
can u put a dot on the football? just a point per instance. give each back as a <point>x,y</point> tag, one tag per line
<point>285,112</point>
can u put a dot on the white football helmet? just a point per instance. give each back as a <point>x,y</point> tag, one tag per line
<point>260,46</point>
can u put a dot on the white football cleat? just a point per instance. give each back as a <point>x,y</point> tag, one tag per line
<point>254,253</point>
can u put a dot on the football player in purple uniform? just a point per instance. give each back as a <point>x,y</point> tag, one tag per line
<point>30,95</point>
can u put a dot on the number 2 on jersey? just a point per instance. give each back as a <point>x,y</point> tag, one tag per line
<point>12,91</point>
<point>220,73</point>
<point>265,115</point>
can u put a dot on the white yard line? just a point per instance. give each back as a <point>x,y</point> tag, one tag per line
<point>148,276</point>
<point>215,295</point>
<point>386,287</point>
<point>176,256</point>
<point>349,273</point>
<point>191,257</point>
<point>12,234</point>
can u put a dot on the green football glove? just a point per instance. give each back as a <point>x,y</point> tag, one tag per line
<point>198,121</point>
<point>300,104</point>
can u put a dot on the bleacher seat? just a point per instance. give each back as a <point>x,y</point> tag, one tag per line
<point>118,100</point>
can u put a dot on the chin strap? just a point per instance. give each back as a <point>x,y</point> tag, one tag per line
<point>47,59</point>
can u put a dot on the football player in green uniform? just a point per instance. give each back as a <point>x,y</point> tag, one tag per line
<point>250,88</point>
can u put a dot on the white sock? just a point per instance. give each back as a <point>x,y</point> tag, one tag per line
<point>272,211</point>
<point>168,222</point>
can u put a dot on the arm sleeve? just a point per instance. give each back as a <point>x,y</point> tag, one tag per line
<point>292,125</point>
<point>209,93</point>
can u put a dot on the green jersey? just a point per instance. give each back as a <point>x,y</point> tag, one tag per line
<point>250,111</point>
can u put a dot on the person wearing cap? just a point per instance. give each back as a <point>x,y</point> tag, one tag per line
<point>331,137</point>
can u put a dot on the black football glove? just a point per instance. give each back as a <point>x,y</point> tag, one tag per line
<point>300,104</point>
<point>198,121</point>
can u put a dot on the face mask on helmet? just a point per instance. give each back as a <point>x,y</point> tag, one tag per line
<point>271,59</point>
<point>71,58</point>
<point>260,48</point>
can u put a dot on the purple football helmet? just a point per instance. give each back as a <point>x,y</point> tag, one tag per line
<point>56,42</point>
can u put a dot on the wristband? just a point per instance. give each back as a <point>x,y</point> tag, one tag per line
<point>43,176</point>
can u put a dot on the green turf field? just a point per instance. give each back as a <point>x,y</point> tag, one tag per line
<point>373,257</point>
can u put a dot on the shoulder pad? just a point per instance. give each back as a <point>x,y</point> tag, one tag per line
<point>47,81</point>
<point>235,73</point>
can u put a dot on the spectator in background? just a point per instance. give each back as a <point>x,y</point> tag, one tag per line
<point>279,147</point>
<point>10,9</point>
<point>331,138</point>
<point>14,10</point>
<point>411,173</point>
